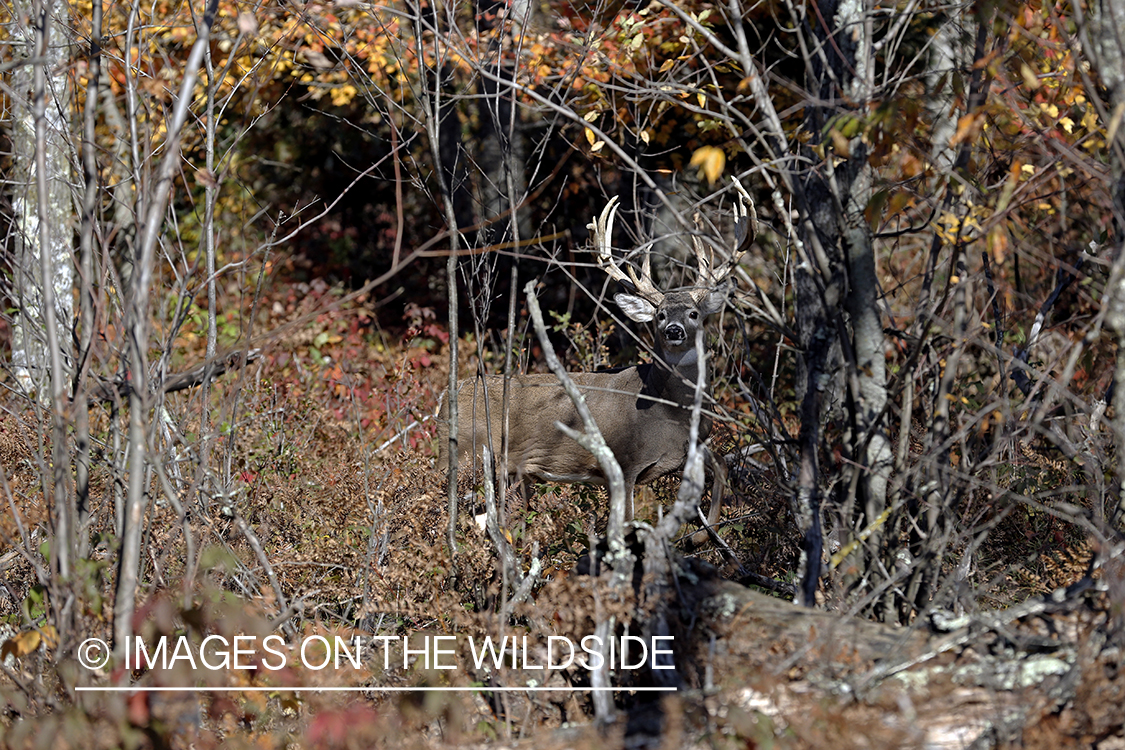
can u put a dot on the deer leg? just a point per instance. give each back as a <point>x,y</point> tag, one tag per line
<point>630,484</point>
<point>718,484</point>
<point>516,503</point>
<point>524,499</point>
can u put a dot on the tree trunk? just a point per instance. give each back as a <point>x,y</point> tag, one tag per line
<point>42,345</point>
<point>30,355</point>
<point>837,361</point>
<point>1103,34</point>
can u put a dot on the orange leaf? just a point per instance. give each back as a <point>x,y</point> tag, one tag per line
<point>968,128</point>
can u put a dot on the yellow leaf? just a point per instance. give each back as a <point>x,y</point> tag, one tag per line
<point>21,645</point>
<point>590,117</point>
<point>597,146</point>
<point>701,99</point>
<point>667,65</point>
<point>1029,78</point>
<point>711,162</point>
<point>1067,124</point>
<point>645,136</point>
<point>591,137</point>
<point>1090,119</point>
<point>1051,110</point>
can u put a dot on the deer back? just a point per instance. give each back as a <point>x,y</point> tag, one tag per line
<point>642,411</point>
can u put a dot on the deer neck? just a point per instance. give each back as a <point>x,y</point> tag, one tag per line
<point>673,376</point>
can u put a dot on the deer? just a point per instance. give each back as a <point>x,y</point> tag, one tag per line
<point>643,411</point>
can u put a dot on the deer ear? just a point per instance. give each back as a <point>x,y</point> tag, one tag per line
<point>638,309</point>
<point>714,301</point>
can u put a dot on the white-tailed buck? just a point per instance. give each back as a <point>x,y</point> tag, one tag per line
<point>643,411</point>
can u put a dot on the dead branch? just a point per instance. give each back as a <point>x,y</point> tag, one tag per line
<point>119,388</point>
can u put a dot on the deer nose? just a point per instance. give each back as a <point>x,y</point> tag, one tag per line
<point>675,333</point>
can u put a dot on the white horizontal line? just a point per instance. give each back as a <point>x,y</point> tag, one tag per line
<point>289,689</point>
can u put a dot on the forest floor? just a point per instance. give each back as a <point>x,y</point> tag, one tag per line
<point>331,522</point>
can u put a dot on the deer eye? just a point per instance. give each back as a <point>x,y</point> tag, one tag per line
<point>660,316</point>
<point>693,315</point>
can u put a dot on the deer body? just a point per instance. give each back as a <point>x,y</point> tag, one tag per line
<point>647,437</point>
<point>643,412</point>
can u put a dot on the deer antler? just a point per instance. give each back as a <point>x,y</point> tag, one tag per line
<point>601,230</point>
<point>745,220</point>
<point>745,229</point>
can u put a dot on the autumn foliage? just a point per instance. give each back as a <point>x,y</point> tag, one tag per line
<point>334,154</point>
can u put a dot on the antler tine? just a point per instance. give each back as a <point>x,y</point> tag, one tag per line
<point>745,230</point>
<point>644,285</point>
<point>745,221</point>
<point>645,282</point>
<point>602,230</point>
<point>702,262</point>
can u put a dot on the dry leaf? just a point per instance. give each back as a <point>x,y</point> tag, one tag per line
<point>711,162</point>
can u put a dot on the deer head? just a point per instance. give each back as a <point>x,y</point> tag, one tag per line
<point>677,314</point>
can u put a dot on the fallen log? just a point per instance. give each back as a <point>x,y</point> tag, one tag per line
<point>1049,672</point>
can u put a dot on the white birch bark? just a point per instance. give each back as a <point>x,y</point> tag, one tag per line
<point>30,355</point>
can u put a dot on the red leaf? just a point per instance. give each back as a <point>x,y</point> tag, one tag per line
<point>137,709</point>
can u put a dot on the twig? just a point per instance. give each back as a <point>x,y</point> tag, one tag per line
<point>259,552</point>
<point>507,555</point>
<point>998,336</point>
<point>1065,278</point>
